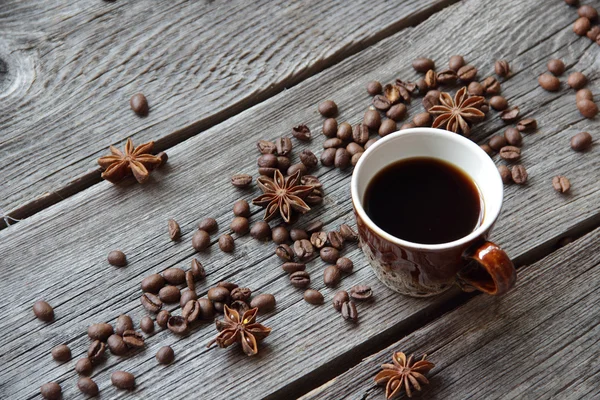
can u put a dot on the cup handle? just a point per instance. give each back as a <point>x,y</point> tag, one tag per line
<point>489,270</point>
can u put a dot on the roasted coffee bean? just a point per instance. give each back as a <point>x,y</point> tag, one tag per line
<point>335,240</point>
<point>124,323</point>
<point>491,86</point>
<point>303,250</point>
<point>153,283</point>
<point>466,73</point>
<point>504,174</point>
<point>300,279</point>
<point>284,146</point>
<point>260,230</point>
<point>328,108</point>
<point>207,310</point>
<point>117,258</point>
<point>355,158</point>
<point>116,345</point>
<point>162,318</point>
<point>510,114</point>
<point>147,325</point>
<point>519,174</point>
<point>475,89</point>
<point>174,276</point>
<point>513,136</point>
<point>61,353</point>
<point>291,267</point>
<point>329,254</point>
<point>84,366</point>
<point>392,92</point>
<point>96,350</point>
<point>283,164</point>
<point>372,119</point>
<point>342,158</point>
<point>297,167</point>
<point>374,87</point>
<point>340,298</point>
<point>588,12</point>
<point>361,292</point>
<point>200,240</point>
<point>284,252</point>
<point>240,225</point>
<point>577,80</point>
<point>381,103</point>
<point>409,125</point>
<point>87,386</point>
<point>332,143</point>
<point>498,103</point>
<point>267,161</point>
<point>348,233</point>
<point>169,294</point>
<point>431,79</point>
<point>587,108</point>
<point>123,380</point>
<point>280,234</point>
<point>165,355</point>
<point>353,148</point>
<point>584,94</point>
<point>241,294</point>
<point>152,302</point>
<point>345,265</point>
<point>43,311</point>
<point>328,157</point>
<point>456,62</point>
<point>561,184</point>
<point>387,126</point>
<point>510,153</point>
<point>186,296</point>
<point>312,296</point>
<point>487,149</point>
<point>241,208</point>
<point>191,311</point>
<point>360,134</point>
<point>422,119</point>
<point>241,180</point>
<point>582,141</point>
<point>527,125</point>
<point>331,276</point>
<point>51,391</point>
<point>264,302</point>
<point>344,132</point>
<point>349,312</point>
<point>556,67</point>
<point>549,82</point>
<point>314,226</point>
<point>177,325</point>
<point>190,281</point>
<point>422,64</point>
<point>266,147</point>
<point>139,104</point>
<point>198,270</point>
<point>298,234</point>
<point>502,68</point>
<point>209,225</point>
<point>448,77</point>
<point>318,239</point>
<point>593,33</point>
<point>218,293</point>
<point>174,229</point>
<point>308,158</point>
<point>301,132</point>
<point>581,26</point>
<point>572,2</point>
<point>497,142</point>
<point>100,331</point>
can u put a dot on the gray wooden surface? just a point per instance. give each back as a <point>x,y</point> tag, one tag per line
<point>538,342</point>
<point>72,67</point>
<point>59,253</point>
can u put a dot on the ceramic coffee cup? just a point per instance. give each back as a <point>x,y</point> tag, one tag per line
<point>423,270</point>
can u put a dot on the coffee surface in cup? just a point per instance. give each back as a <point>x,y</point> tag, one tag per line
<point>424,200</point>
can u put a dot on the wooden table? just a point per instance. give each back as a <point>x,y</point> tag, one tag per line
<point>219,75</point>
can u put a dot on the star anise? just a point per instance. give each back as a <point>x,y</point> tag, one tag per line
<point>283,195</point>
<point>244,330</point>
<point>456,114</point>
<point>403,373</point>
<point>138,161</point>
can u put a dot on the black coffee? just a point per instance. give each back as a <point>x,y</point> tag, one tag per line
<point>424,200</point>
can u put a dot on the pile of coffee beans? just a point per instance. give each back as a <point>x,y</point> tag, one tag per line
<point>587,23</point>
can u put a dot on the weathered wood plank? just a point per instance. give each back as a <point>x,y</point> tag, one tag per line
<point>71,68</point>
<point>72,239</point>
<point>538,342</point>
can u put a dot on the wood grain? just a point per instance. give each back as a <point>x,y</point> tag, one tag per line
<point>537,342</point>
<point>71,67</point>
<point>59,254</point>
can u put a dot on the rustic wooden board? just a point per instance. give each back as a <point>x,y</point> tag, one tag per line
<point>71,239</point>
<point>538,342</point>
<point>71,67</point>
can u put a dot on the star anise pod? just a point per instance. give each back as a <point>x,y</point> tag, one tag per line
<point>139,161</point>
<point>283,195</point>
<point>456,114</point>
<point>240,329</point>
<point>403,373</point>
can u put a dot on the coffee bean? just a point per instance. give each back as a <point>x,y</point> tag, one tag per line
<point>284,252</point>
<point>139,104</point>
<point>301,132</point>
<point>584,94</point>
<point>355,158</point>
<point>332,143</point>
<point>498,103</point>
<point>582,141</point>
<point>587,108</point>
<point>61,353</point>
<point>340,298</point>
<point>387,126</point>
<point>297,234</point>
<point>572,2</point>
<point>291,267</point>
<point>267,161</point>
<point>284,146</point>
<point>491,86</point>
<point>527,125</point>
<point>344,132</point>
<point>240,225</point>
<point>392,92</point>
<point>329,254</point>
<point>504,174</point>
<point>96,350</point>
<point>342,158</point>
<point>466,73</point>
<point>409,125</point>
<point>345,265</point>
<point>588,12</point>
<point>561,184</point>
<point>147,325</point>
<point>267,171</point>
<point>576,80</point>
<point>581,26</point>
<point>260,230</point>
<point>198,270</point>
<point>117,258</point>
<point>242,294</point>
<point>87,386</point>
<point>200,240</point>
<point>43,311</point>
<point>241,180</point>
<point>116,345</point>
<point>487,149</point>
<point>51,391</point>
<point>152,283</point>
<point>335,240</point>
<point>513,136</point>
<point>123,380</point>
<point>297,167</point>
<point>593,33</point>
<point>431,79</point>
<point>174,276</point>
<point>314,226</point>
<point>84,366</point>
<point>191,311</point>
<point>312,296</point>
<point>303,250</point>
<point>502,68</point>
<point>348,233</point>
<point>556,67</point>
<point>510,114</point>
<point>177,325</point>
<point>361,292</point>
<point>353,148</point>
<point>510,153</point>
<point>519,174</point>
<point>124,323</point>
<point>331,276</point>
<point>169,294</point>
<point>133,339</point>
<point>218,294</point>
<point>328,157</point>
<point>497,142</point>
<point>422,119</point>
<point>186,296</point>
<point>241,208</point>
<point>207,310</point>
<point>449,77</point>
<point>381,103</point>
<point>162,318</point>
<point>300,279</point>
<point>372,119</point>
<point>266,147</point>
<point>360,134</point>
<point>100,331</point>
<point>174,230</point>
<point>318,239</point>
<point>165,355</point>
<point>456,62</point>
<point>328,108</point>
<point>349,312</point>
<point>190,281</point>
<point>422,64</point>
<point>283,164</point>
<point>374,87</point>
<point>308,158</point>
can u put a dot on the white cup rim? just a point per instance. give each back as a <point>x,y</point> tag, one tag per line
<point>490,215</point>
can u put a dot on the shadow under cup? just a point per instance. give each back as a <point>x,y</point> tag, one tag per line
<point>427,269</point>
